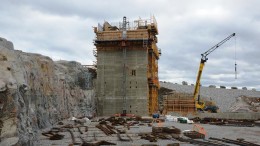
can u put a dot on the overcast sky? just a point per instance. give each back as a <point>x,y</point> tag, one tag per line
<point>63,29</point>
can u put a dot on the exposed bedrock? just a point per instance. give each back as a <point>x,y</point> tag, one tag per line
<point>36,92</point>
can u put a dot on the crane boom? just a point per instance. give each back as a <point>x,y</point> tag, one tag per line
<point>200,105</point>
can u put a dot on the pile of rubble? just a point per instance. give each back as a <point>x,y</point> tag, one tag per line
<point>246,104</point>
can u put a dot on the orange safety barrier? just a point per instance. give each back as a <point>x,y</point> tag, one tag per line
<point>200,129</point>
<point>158,121</point>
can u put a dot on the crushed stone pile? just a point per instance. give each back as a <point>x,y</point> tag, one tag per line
<point>224,98</point>
<point>246,104</point>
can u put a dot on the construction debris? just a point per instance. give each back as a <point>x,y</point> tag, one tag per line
<point>166,130</point>
<point>161,133</point>
<point>119,131</point>
<point>53,136</point>
<point>225,122</point>
<point>201,143</point>
<point>98,143</point>
<point>246,104</point>
<point>241,142</point>
<point>197,132</point>
<point>106,129</point>
<point>193,134</point>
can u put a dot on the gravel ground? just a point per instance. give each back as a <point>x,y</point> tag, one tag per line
<point>224,98</point>
<point>251,134</point>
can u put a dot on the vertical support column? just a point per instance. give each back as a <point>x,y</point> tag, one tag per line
<point>124,37</point>
<point>124,80</point>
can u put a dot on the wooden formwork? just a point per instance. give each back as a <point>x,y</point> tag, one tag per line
<point>117,35</point>
<point>153,99</point>
<point>179,102</point>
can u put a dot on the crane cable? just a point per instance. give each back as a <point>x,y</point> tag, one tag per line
<point>235,58</point>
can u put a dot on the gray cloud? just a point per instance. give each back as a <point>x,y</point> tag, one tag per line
<point>62,29</point>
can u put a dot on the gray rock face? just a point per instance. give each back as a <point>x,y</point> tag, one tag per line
<point>224,98</point>
<point>6,44</point>
<point>2,86</point>
<point>36,92</point>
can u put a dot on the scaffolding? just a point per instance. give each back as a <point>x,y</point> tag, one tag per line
<point>128,37</point>
<point>134,25</point>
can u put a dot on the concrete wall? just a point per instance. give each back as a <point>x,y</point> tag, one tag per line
<point>110,91</point>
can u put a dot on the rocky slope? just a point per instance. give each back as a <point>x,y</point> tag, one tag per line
<point>224,98</point>
<point>36,92</point>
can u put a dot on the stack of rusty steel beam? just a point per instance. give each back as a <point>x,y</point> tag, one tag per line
<point>226,122</point>
<point>240,142</point>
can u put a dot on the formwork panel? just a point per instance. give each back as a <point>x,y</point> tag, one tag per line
<point>182,103</point>
<point>117,35</point>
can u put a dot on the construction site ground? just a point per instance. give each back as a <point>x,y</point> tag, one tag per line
<point>132,136</point>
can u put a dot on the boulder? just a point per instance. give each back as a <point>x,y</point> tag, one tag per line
<point>184,83</point>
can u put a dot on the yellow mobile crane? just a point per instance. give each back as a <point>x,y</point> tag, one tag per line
<point>200,105</point>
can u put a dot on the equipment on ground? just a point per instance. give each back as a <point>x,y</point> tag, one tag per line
<point>156,115</point>
<point>200,105</point>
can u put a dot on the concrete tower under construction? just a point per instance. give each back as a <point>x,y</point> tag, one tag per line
<point>127,67</point>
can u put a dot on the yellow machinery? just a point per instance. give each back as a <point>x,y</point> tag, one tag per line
<point>200,105</point>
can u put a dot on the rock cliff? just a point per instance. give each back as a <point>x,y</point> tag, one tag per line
<point>36,92</point>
